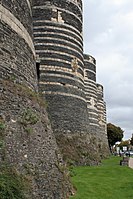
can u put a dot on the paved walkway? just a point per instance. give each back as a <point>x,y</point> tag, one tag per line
<point>130,163</point>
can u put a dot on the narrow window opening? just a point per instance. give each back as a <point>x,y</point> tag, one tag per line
<point>38,70</point>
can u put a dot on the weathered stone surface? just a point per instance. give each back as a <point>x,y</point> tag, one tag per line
<point>67,82</point>
<point>29,143</point>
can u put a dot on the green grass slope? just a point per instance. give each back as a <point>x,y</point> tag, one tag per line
<point>107,181</point>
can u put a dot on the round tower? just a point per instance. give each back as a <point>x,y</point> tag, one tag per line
<point>101,105</point>
<point>59,46</point>
<point>17,54</point>
<point>28,144</point>
<point>91,91</point>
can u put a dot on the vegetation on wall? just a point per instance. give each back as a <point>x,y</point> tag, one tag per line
<point>12,184</point>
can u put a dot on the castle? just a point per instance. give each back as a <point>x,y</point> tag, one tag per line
<point>52,63</point>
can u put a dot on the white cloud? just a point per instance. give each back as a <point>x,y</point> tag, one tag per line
<point>109,38</point>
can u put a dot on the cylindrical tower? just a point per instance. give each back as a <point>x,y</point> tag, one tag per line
<point>101,105</point>
<point>17,54</point>
<point>59,45</point>
<point>27,141</point>
<point>91,91</point>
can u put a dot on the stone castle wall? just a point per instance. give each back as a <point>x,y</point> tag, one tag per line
<point>17,55</point>
<point>27,143</point>
<point>91,92</point>
<point>67,79</point>
<point>101,105</point>
<point>59,45</point>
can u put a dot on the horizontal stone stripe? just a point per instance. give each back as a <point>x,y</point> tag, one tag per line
<point>94,109</point>
<point>60,69</point>
<point>91,86</point>
<point>93,124</point>
<point>60,46</point>
<point>57,60</point>
<point>52,50</point>
<point>88,94</point>
<point>43,32</point>
<point>100,108</point>
<point>47,59</point>
<point>91,108</point>
<point>57,35</point>
<point>54,27</point>
<point>92,71</point>
<point>88,89</point>
<point>61,73</point>
<point>54,68</point>
<point>92,113</point>
<point>59,9</point>
<point>100,102</point>
<point>92,118</point>
<point>89,62</point>
<point>60,84</point>
<point>57,24</point>
<point>61,53</point>
<point>62,76</point>
<point>64,94</point>
<point>7,17</point>
<point>100,113</point>
<point>62,89</point>
<point>58,40</point>
<point>87,80</point>
<point>90,81</point>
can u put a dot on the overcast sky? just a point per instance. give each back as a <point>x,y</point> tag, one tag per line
<point>108,36</point>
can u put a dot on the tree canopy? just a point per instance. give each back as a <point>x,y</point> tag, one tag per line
<point>114,133</point>
<point>131,140</point>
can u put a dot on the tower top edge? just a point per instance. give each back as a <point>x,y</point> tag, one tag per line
<point>90,58</point>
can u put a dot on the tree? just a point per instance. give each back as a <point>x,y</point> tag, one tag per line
<point>114,134</point>
<point>131,141</point>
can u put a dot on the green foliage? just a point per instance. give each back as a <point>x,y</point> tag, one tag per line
<point>72,172</point>
<point>2,144</point>
<point>107,181</point>
<point>114,133</point>
<point>29,117</point>
<point>131,140</point>
<point>29,130</point>
<point>2,126</point>
<point>12,185</point>
<point>35,97</point>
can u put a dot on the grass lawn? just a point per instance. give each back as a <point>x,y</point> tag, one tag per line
<point>107,181</point>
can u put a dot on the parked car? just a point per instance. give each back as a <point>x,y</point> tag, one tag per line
<point>129,153</point>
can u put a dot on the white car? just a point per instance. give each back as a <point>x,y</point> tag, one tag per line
<point>131,153</point>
